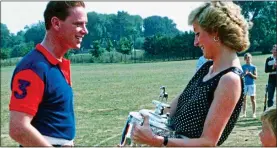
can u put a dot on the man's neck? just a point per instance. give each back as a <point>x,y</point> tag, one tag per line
<point>51,46</point>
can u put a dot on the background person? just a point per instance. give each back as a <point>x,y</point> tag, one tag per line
<point>270,68</point>
<point>250,74</point>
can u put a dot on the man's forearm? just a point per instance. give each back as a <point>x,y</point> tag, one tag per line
<point>254,76</point>
<point>29,136</point>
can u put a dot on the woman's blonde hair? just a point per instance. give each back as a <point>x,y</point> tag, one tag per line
<point>226,19</point>
<point>270,116</point>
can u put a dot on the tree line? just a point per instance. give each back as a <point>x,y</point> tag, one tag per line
<point>156,35</point>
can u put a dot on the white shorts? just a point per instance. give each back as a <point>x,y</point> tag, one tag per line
<point>58,141</point>
<point>250,90</point>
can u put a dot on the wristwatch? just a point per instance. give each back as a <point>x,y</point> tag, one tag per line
<point>165,141</point>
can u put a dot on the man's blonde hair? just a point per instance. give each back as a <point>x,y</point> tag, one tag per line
<point>270,116</point>
<point>226,19</point>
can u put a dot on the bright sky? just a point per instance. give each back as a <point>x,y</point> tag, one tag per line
<point>16,15</point>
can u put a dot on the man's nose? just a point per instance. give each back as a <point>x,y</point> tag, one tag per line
<point>85,30</point>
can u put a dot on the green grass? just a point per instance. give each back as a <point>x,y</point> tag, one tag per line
<point>106,93</point>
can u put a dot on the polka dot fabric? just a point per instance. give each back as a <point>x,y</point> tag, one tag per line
<point>195,101</point>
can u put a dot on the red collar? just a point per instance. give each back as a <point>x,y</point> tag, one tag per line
<point>48,55</point>
<point>64,65</point>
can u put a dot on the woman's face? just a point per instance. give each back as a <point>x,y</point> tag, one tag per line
<point>204,40</point>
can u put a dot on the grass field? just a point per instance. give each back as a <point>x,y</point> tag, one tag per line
<point>106,93</point>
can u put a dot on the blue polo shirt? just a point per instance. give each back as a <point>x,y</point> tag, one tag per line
<point>41,87</point>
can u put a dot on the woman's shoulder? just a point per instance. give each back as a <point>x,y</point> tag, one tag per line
<point>231,79</point>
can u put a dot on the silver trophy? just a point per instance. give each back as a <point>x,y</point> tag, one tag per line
<point>162,104</point>
<point>157,120</point>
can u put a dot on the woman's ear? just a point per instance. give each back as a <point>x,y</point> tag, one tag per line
<point>215,36</point>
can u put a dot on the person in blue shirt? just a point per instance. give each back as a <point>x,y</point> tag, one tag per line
<point>41,105</point>
<point>250,74</point>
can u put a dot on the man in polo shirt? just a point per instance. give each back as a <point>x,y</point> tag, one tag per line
<point>270,68</point>
<point>41,105</point>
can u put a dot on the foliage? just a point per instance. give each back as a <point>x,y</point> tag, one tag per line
<point>156,25</point>
<point>22,49</point>
<point>35,33</point>
<point>5,53</point>
<point>109,46</point>
<point>263,16</point>
<point>5,36</point>
<point>125,46</point>
<point>81,58</point>
<point>157,35</point>
<point>179,46</point>
<point>96,51</point>
<point>139,43</point>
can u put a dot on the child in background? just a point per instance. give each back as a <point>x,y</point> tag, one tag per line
<point>250,74</point>
<point>269,130</point>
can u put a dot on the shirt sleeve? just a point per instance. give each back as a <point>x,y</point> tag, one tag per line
<point>27,92</point>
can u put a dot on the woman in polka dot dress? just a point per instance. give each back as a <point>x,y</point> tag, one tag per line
<point>205,113</point>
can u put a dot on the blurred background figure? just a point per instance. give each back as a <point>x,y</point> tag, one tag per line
<point>250,74</point>
<point>270,68</point>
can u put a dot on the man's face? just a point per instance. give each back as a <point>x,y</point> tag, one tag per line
<point>73,29</point>
<point>247,59</point>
